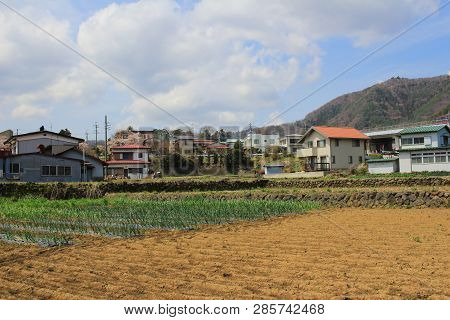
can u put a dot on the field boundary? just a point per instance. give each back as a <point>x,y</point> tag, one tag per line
<point>98,190</point>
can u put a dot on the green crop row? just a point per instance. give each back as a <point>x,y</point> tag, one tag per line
<point>124,217</point>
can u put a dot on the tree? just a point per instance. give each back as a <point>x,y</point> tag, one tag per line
<point>65,132</point>
<point>236,159</point>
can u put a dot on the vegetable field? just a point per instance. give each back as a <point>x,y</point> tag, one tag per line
<point>347,253</point>
<point>57,222</point>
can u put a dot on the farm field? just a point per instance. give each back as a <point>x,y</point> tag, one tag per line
<point>324,254</point>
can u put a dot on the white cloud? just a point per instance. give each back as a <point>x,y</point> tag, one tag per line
<point>218,62</point>
<point>27,111</point>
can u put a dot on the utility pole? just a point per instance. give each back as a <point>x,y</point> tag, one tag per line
<point>87,137</point>
<point>96,137</point>
<point>107,126</point>
<point>251,140</point>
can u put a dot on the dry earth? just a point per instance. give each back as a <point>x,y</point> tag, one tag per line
<point>328,254</point>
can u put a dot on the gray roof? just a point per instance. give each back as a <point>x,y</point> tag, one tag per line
<point>391,132</point>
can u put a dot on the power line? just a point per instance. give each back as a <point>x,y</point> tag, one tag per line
<point>92,62</point>
<point>349,68</point>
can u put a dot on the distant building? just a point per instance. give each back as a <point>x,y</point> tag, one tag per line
<point>45,156</point>
<point>129,161</point>
<point>261,141</point>
<point>328,148</point>
<point>291,142</point>
<point>183,145</point>
<point>425,148</point>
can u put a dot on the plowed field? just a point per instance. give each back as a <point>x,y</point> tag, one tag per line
<point>328,254</point>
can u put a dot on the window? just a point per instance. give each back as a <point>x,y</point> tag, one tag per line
<point>127,156</point>
<point>407,141</point>
<point>256,141</point>
<point>333,159</point>
<point>336,142</point>
<point>441,157</point>
<point>360,159</point>
<point>419,140</point>
<point>14,168</point>
<point>60,171</point>
<point>428,158</point>
<point>416,160</point>
<point>140,155</point>
<point>356,143</point>
<point>321,143</point>
<point>310,144</point>
<point>272,141</point>
<point>350,159</point>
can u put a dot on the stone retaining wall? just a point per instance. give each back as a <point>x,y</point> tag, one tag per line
<point>407,199</point>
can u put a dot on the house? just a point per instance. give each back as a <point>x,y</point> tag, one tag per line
<point>183,145</point>
<point>45,156</point>
<point>291,142</point>
<point>328,148</point>
<point>383,141</point>
<point>129,161</point>
<point>425,148</point>
<point>218,147</point>
<point>261,141</point>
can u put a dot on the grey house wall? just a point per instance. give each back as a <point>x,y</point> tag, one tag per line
<point>30,146</point>
<point>97,171</point>
<point>30,168</point>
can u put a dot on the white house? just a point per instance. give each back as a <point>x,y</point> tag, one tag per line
<point>425,148</point>
<point>261,141</point>
<point>129,161</point>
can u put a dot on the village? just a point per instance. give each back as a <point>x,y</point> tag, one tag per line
<point>46,156</point>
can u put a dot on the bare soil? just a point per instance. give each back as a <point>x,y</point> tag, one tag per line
<point>327,254</point>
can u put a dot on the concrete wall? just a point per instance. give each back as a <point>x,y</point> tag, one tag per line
<point>383,167</point>
<point>30,168</point>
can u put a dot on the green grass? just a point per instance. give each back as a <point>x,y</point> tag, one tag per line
<point>54,222</point>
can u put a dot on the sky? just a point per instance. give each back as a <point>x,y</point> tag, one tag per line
<point>205,63</point>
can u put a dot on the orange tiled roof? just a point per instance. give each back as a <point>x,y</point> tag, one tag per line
<point>340,132</point>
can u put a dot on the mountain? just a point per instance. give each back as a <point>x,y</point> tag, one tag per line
<point>395,101</point>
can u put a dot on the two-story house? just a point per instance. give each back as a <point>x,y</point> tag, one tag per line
<point>261,141</point>
<point>425,148</point>
<point>129,161</point>
<point>291,142</point>
<point>328,148</point>
<point>45,156</point>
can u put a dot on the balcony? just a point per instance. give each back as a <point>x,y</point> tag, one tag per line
<point>319,166</point>
<point>307,152</point>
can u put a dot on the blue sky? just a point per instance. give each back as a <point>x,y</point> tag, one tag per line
<point>207,62</point>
